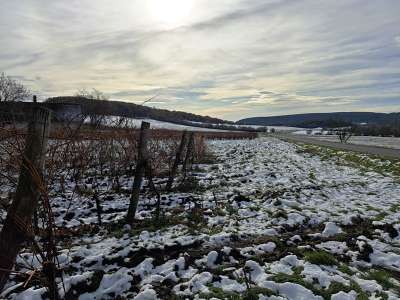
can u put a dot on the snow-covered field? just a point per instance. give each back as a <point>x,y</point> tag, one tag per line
<point>276,128</point>
<point>268,221</point>
<point>163,125</point>
<point>387,142</point>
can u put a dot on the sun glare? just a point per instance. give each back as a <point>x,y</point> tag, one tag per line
<point>171,13</point>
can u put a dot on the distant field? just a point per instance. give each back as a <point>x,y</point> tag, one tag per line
<point>277,128</point>
<point>387,142</point>
<point>166,125</point>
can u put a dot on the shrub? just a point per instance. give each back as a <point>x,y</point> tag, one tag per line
<point>320,258</point>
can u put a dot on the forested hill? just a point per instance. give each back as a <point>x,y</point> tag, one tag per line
<point>324,119</point>
<point>131,110</point>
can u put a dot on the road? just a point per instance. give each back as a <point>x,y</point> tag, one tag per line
<point>372,150</point>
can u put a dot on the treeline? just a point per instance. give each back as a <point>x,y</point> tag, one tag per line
<point>320,119</point>
<point>329,123</point>
<point>374,129</point>
<point>131,110</point>
<point>391,128</point>
<point>388,130</point>
<point>224,127</point>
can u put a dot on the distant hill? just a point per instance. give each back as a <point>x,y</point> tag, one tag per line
<point>131,110</point>
<point>324,119</point>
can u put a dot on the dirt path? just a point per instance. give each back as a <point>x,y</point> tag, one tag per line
<point>373,150</point>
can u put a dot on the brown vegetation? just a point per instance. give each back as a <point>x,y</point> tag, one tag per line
<point>78,152</point>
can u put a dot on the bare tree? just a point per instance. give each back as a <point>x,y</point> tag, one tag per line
<point>11,90</point>
<point>94,94</point>
<point>95,119</point>
<point>344,135</point>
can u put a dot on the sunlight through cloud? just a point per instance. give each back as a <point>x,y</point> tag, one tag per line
<point>170,13</point>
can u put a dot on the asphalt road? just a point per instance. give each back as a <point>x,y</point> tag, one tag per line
<point>372,150</point>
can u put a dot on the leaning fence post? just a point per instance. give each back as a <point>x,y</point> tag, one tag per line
<point>189,153</point>
<point>17,227</point>
<point>178,160</point>
<point>139,171</point>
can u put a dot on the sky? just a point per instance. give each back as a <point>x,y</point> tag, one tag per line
<point>225,58</point>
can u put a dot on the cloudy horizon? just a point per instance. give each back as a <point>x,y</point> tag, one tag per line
<point>229,59</point>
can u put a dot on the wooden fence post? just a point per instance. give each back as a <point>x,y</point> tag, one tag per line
<point>201,146</point>
<point>178,160</point>
<point>189,153</point>
<point>17,227</point>
<point>99,209</point>
<point>139,171</point>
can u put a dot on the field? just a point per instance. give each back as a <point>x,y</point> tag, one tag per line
<point>258,219</point>
<point>386,142</point>
<point>376,141</point>
<point>167,125</point>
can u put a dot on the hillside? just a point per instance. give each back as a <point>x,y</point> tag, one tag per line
<point>131,110</point>
<point>323,119</point>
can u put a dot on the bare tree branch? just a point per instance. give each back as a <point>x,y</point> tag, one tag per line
<point>11,90</point>
<point>150,99</point>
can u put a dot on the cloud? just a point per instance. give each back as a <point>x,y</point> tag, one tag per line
<point>230,59</point>
<point>397,40</point>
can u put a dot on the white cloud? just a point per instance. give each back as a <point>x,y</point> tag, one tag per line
<point>397,40</point>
